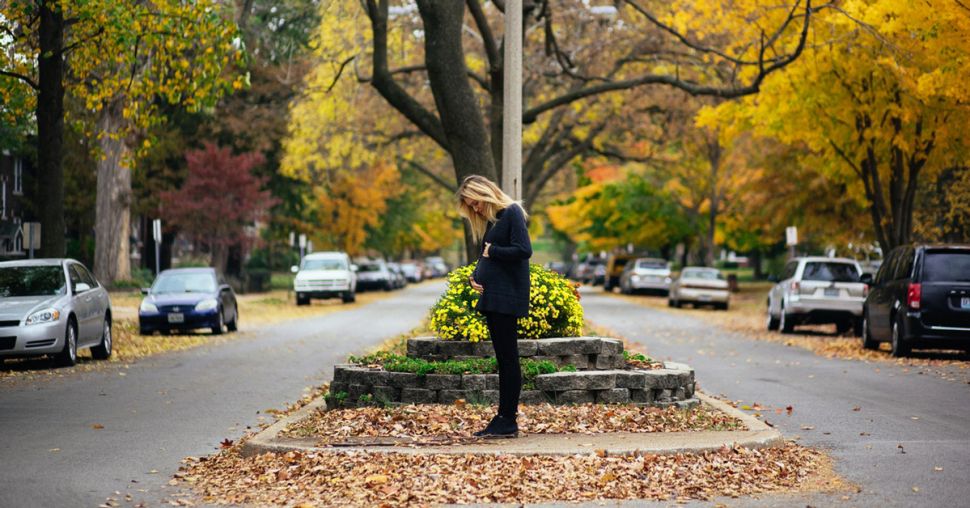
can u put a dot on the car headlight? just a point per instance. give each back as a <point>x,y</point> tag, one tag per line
<point>668,280</point>
<point>147,306</point>
<point>207,304</point>
<point>635,278</point>
<point>43,316</point>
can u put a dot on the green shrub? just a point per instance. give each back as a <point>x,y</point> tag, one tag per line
<point>397,363</point>
<point>554,309</point>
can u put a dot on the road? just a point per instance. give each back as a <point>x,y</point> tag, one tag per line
<point>888,429</point>
<point>163,409</point>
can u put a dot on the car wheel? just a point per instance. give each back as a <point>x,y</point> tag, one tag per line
<point>785,323</point>
<point>68,356</point>
<point>723,306</point>
<point>103,350</point>
<point>843,326</point>
<point>349,297</point>
<point>388,286</point>
<point>857,327</point>
<point>670,302</point>
<point>217,330</point>
<point>900,346</point>
<point>867,341</point>
<point>234,324</point>
<point>302,300</point>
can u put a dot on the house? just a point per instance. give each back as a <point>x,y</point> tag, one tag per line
<point>12,171</point>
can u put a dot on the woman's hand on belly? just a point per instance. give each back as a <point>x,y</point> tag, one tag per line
<point>475,285</point>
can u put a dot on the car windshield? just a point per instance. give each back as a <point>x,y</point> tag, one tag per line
<point>946,266</point>
<point>184,283</point>
<point>651,264</point>
<point>703,274</point>
<point>370,268</point>
<point>831,272</point>
<point>32,281</point>
<point>324,264</point>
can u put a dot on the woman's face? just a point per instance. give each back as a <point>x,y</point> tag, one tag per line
<point>477,206</point>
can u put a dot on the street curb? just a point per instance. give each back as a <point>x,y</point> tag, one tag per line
<point>758,435</point>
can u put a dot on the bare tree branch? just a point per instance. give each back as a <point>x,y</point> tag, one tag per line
<point>389,89</point>
<point>33,84</point>
<point>488,39</point>
<point>428,173</point>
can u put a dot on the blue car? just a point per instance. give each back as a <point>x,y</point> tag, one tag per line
<point>188,299</point>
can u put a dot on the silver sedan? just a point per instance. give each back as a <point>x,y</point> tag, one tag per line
<point>52,307</point>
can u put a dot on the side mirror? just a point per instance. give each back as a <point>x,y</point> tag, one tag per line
<point>145,291</point>
<point>866,278</point>
<point>773,278</point>
<point>81,287</point>
<point>353,268</point>
<point>294,269</point>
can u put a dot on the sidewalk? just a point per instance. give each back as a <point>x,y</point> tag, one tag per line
<point>758,435</point>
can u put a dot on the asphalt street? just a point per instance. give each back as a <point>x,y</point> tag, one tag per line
<point>889,430</point>
<point>163,409</point>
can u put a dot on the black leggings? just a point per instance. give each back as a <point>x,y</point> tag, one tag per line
<point>504,333</point>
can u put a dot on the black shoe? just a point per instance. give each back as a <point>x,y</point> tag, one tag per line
<point>499,427</point>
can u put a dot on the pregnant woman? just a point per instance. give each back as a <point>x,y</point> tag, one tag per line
<point>502,279</point>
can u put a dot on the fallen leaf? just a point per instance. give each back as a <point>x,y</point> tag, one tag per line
<point>915,489</point>
<point>226,443</point>
<point>901,449</point>
<point>808,427</point>
<point>938,468</point>
<point>857,408</point>
<point>789,410</point>
<point>97,426</point>
<point>377,479</point>
<point>54,450</point>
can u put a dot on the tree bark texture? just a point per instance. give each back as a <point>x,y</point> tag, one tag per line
<point>50,129</point>
<point>112,226</point>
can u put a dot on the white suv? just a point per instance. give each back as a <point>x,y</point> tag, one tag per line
<point>325,275</point>
<point>815,290</point>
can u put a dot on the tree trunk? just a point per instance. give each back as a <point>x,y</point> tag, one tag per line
<point>50,129</point>
<point>112,226</point>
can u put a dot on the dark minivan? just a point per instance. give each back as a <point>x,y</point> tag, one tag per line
<point>920,298</point>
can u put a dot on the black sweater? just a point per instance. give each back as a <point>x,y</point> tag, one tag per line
<point>505,272</point>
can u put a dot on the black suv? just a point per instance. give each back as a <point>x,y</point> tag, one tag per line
<point>920,298</point>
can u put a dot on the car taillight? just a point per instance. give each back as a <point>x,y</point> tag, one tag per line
<point>865,290</point>
<point>913,295</point>
<point>795,286</point>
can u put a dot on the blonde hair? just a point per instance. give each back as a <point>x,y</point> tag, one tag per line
<point>481,189</point>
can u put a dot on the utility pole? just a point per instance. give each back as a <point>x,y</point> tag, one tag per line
<point>512,96</point>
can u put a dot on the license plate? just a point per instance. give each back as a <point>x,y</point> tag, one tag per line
<point>831,292</point>
<point>965,302</point>
<point>704,298</point>
<point>176,317</point>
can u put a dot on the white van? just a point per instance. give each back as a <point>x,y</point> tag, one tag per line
<point>325,275</point>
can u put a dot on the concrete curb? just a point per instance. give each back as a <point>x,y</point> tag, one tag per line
<point>759,435</point>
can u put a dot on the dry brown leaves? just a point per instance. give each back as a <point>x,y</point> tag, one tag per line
<point>747,317</point>
<point>379,479</point>
<point>461,420</point>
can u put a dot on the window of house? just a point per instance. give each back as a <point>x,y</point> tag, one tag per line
<point>18,176</point>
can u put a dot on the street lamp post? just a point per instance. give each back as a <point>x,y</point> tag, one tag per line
<point>512,96</point>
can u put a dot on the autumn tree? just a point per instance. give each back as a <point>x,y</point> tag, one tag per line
<point>220,199</point>
<point>879,101</point>
<point>122,59</point>
<point>439,65</point>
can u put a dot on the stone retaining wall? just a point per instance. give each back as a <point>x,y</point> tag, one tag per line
<point>584,353</point>
<point>672,385</point>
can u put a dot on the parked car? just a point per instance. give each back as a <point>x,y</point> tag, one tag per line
<point>556,266</point>
<point>399,279</point>
<point>818,290</point>
<point>586,271</point>
<point>188,299</point>
<point>53,307</point>
<point>374,274</point>
<point>920,298</point>
<point>412,271</point>
<point>437,266</point>
<point>699,285</point>
<point>645,275</point>
<point>325,275</point>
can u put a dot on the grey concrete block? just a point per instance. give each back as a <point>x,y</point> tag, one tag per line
<point>569,346</point>
<point>599,380</point>
<point>528,347</point>
<point>559,382</point>
<point>641,396</point>
<point>337,387</point>
<point>421,347</point>
<point>450,396</point>
<point>581,362</point>
<point>418,396</point>
<point>687,404</point>
<point>611,347</point>
<point>452,348</point>
<point>354,391</point>
<point>491,381</point>
<point>340,373</point>
<point>575,397</point>
<point>689,390</point>
<point>664,395</point>
<point>403,380</point>
<point>679,394</point>
<point>631,379</point>
<point>486,396</point>
<point>383,394</point>
<point>606,362</point>
<point>678,366</point>
<point>661,378</point>
<point>473,381</point>
<point>442,382</point>
<point>483,348</point>
<point>540,358</point>
<point>536,397</point>
<point>614,396</point>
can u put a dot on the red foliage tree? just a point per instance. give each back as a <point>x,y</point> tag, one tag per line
<point>220,198</point>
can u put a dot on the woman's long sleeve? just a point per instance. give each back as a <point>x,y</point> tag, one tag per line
<point>520,247</point>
